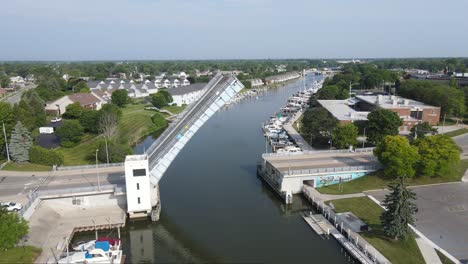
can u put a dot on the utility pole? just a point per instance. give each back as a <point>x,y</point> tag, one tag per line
<point>107,150</point>
<point>97,171</point>
<point>6,142</point>
<point>443,124</point>
<point>364,139</point>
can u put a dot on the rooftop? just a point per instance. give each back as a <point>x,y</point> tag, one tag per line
<point>83,98</point>
<point>186,89</point>
<point>136,157</point>
<point>392,101</point>
<point>342,111</point>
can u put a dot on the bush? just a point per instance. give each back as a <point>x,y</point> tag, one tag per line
<point>44,156</point>
<point>159,120</point>
<point>71,131</point>
<point>117,152</point>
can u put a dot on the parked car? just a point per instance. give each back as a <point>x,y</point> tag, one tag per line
<point>12,207</point>
<point>56,119</point>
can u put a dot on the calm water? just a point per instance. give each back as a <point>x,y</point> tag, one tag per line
<point>215,208</point>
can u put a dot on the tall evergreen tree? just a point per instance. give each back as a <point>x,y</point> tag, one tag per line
<point>20,143</point>
<point>400,210</point>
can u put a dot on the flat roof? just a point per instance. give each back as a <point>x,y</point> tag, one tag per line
<point>341,110</point>
<point>136,157</point>
<point>392,101</point>
<point>319,160</point>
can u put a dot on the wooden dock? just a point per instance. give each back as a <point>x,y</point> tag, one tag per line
<point>318,223</point>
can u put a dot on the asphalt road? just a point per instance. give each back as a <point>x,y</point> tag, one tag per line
<point>442,216</point>
<point>22,185</point>
<point>17,95</point>
<point>462,142</point>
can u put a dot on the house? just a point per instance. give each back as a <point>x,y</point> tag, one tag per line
<point>282,77</point>
<point>410,111</point>
<point>86,100</point>
<point>187,94</point>
<point>256,82</point>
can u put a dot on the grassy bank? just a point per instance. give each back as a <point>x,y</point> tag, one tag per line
<point>13,166</point>
<point>24,255</point>
<point>174,108</point>
<point>377,180</point>
<point>401,251</point>
<point>81,154</point>
<point>457,132</point>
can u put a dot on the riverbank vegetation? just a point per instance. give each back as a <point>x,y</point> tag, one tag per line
<point>397,251</point>
<point>25,255</point>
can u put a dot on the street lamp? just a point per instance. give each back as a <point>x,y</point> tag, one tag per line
<point>6,142</point>
<point>364,139</point>
<point>97,171</point>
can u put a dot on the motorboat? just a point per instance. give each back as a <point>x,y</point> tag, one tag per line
<point>104,251</point>
<point>83,245</point>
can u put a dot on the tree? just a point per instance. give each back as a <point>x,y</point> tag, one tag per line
<point>12,228</point>
<point>89,119</point>
<point>20,143</point>
<point>421,129</point>
<point>44,156</point>
<point>116,152</point>
<point>120,98</point>
<point>7,117</point>
<point>439,155</point>
<point>381,123</point>
<point>344,136</point>
<point>70,133</point>
<point>73,111</point>
<point>108,122</point>
<point>30,110</point>
<point>400,210</point>
<point>166,95</point>
<point>318,123</point>
<point>398,156</point>
<point>158,100</point>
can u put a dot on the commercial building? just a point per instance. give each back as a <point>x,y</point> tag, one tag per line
<point>356,109</point>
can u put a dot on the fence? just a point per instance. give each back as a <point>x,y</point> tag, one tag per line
<point>357,150</point>
<point>332,169</point>
<point>361,244</point>
<point>83,167</point>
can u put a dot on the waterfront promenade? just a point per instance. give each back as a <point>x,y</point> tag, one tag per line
<point>294,134</point>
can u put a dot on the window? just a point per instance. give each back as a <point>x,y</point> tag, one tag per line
<point>138,200</point>
<point>138,186</point>
<point>139,172</point>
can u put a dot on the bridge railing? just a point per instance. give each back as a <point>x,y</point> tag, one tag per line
<point>331,169</point>
<point>172,139</point>
<point>82,167</point>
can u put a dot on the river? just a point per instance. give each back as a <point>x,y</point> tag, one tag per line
<point>215,208</point>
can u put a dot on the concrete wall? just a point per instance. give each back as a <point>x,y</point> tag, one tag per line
<point>138,187</point>
<point>91,201</point>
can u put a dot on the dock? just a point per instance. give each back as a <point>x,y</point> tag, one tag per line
<point>318,223</point>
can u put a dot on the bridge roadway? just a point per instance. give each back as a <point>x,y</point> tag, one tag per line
<point>164,150</point>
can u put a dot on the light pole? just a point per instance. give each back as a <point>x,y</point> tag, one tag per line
<point>97,171</point>
<point>364,139</point>
<point>6,142</point>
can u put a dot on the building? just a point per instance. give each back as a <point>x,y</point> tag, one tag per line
<point>256,82</point>
<point>287,174</point>
<point>187,94</point>
<point>282,78</point>
<point>86,100</point>
<point>356,109</point>
<point>138,185</point>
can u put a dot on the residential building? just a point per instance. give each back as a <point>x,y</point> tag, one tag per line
<point>86,100</point>
<point>256,82</point>
<point>282,78</point>
<point>356,109</point>
<point>187,94</point>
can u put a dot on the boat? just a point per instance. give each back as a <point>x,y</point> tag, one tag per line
<point>83,245</point>
<point>104,251</point>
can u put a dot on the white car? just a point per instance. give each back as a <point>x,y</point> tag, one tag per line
<point>56,119</point>
<point>12,207</point>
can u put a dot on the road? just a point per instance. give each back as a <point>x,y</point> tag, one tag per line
<point>12,187</point>
<point>16,97</point>
<point>462,142</point>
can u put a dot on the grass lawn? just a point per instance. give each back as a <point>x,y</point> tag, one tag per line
<point>135,124</point>
<point>401,251</point>
<point>377,180</point>
<point>174,108</point>
<point>20,255</point>
<point>457,132</point>
<point>13,166</point>
<point>443,258</point>
<point>82,154</point>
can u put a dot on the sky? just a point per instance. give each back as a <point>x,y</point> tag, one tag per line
<point>231,29</point>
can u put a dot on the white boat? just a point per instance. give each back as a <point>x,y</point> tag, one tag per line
<point>102,252</point>
<point>83,245</point>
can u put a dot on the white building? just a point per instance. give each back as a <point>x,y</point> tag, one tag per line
<point>187,94</point>
<point>86,100</point>
<point>138,185</point>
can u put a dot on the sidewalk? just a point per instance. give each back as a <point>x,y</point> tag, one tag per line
<point>300,141</point>
<point>4,173</point>
<point>428,252</point>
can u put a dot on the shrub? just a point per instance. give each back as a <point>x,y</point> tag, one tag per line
<point>44,156</point>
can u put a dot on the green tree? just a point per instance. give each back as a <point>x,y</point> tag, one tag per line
<point>158,100</point>
<point>166,95</point>
<point>400,210</point>
<point>381,123</point>
<point>30,110</point>
<point>398,156</point>
<point>421,129</point>
<point>120,98</point>
<point>318,123</point>
<point>12,229</point>
<point>20,143</point>
<point>44,156</point>
<point>345,135</point>
<point>116,152</point>
<point>7,117</point>
<point>73,111</point>
<point>439,155</point>
<point>70,133</point>
<point>89,119</point>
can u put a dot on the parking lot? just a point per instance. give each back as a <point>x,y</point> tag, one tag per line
<point>442,216</point>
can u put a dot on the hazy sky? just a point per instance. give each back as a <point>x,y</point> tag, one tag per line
<point>232,29</point>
